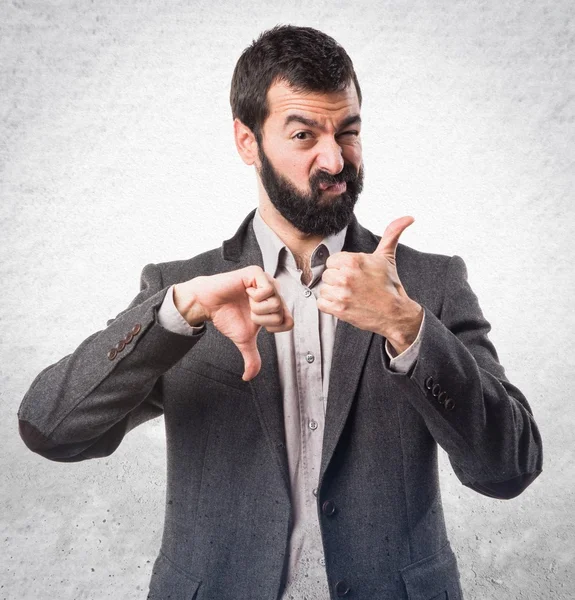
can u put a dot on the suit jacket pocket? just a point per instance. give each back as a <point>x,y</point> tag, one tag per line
<point>434,577</point>
<point>171,582</point>
<point>214,373</point>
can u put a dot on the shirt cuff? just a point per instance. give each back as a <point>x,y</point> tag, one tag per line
<point>402,363</point>
<point>169,317</point>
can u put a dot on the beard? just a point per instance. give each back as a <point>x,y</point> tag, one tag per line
<point>311,213</point>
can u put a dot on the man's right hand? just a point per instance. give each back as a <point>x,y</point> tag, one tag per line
<point>238,303</point>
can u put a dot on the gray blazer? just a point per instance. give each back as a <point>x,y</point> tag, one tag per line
<point>228,514</point>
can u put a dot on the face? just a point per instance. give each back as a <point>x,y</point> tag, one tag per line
<point>310,157</point>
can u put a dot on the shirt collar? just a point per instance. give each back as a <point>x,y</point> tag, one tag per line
<point>273,248</point>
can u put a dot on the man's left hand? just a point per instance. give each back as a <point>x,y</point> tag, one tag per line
<point>365,291</point>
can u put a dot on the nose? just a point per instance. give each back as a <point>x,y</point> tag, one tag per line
<point>330,157</point>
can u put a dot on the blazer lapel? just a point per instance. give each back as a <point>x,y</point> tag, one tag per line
<point>349,354</point>
<point>243,250</point>
<point>268,399</point>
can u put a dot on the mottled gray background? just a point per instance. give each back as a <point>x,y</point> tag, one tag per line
<point>116,150</point>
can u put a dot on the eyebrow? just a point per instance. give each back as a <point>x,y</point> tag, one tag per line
<point>351,120</point>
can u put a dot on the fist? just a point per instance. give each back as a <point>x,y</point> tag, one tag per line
<point>365,290</point>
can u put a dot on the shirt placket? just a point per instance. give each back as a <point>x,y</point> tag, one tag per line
<point>310,393</point>
<point>308,352</point>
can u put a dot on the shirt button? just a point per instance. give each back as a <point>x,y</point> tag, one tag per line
<point>309,357</point>
<point>322,561</point>
<point>313,425</point>
<point>328,508</point>
<point>314,491</point>
<point>342,589</point>
<point>307,293</point>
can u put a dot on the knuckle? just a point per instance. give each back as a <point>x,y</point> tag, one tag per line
<point>347,278</point>
<point>274,303</point>
<point>253,271</point>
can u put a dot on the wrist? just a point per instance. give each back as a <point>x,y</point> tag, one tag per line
<point>406,327</point>
<point>185,300</point>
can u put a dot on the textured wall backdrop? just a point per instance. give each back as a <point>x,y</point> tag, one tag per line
<point>116,150</point>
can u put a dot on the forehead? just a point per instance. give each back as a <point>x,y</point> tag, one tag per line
<point>322,106</point>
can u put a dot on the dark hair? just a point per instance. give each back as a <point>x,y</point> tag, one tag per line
<point>305,58</point>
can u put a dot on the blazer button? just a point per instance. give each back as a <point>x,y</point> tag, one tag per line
<point>449,404</point>
<point>129,337</point>
<point>136,329</point>
<point>112,354</point>
<point>328,508</point>
<point>435,390</point>
<point>429,382</point>
<point>441,398</point>
<point>120,345</point>
<point>342,589</point>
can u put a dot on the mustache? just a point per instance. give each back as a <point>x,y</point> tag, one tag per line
<point>347,174</point>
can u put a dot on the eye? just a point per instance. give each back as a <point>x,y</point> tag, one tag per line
<point>350,132</point>
<point>302,135</point>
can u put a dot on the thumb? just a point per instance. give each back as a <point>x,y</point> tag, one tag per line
<point>251,356</point>
<point>388,243</point>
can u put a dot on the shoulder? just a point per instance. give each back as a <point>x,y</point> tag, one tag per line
<point>428,277</point>
<point>421,263</point>
<point>228,257</point>
<point>206,263</point>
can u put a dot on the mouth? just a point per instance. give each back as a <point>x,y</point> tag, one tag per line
<point>336,188</point>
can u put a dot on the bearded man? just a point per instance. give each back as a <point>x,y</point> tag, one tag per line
<point>307,371</point>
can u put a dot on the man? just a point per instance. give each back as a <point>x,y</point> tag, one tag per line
<point>306,371</point>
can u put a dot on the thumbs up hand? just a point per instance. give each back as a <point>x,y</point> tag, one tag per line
<point>365,291</point>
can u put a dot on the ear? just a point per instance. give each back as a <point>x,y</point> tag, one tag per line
<point>246,143</point>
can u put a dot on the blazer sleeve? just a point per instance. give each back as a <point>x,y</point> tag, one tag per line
<point>82,406</point>
<point>473,412</point>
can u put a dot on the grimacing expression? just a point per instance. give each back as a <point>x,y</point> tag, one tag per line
<point>312,213</point>
<point>309,151</point>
